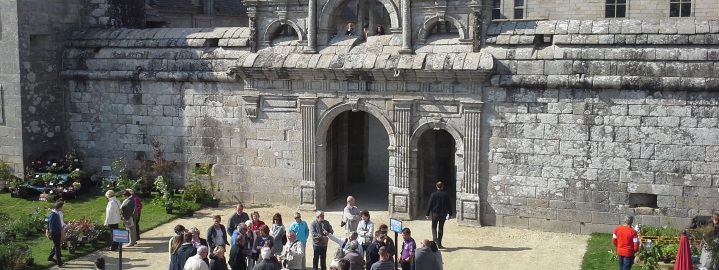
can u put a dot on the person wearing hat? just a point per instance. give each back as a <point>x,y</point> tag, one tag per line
<point>299,226</point>
<point>320,228</point>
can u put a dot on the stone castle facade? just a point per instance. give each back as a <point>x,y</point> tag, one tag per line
<point>546,115</point>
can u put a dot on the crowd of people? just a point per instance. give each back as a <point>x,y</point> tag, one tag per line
<point>253,244</point>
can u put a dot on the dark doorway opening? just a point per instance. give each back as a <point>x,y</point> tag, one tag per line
<point>357,162</point>
<point>436,163</point>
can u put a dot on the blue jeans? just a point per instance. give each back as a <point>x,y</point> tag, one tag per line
<point>321,254</point>
<point>625,263</point>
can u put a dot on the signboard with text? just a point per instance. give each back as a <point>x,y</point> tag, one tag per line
<point>121,236</point>
<point>395,225</point>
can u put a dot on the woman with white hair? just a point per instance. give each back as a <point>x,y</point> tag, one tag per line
<point>112,215</point>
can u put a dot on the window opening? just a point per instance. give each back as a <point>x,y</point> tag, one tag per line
<point>642,200</point>
<point>519,9</point>
<point>616,9</point>
<point>496,9</point>
<point>680,8</point>
<point>444,27</point>
<point>39,42</point>
<point>285,31</point>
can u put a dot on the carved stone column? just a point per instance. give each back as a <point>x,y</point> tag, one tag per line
<point>311,27</point>
<point>308,198</point>
<point>406,27</point>
<point>401,195</point>
<point>468,205</point>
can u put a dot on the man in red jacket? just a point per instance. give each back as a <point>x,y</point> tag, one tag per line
<point>627,242</point>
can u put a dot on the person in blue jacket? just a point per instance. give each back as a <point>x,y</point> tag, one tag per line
<point>54,226</point>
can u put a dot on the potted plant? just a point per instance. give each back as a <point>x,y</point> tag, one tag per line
<point>194,192</point>
<point>188,207</point>
<point>76,175</point>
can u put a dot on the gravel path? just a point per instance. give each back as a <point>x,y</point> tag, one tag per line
<point>466,247</point>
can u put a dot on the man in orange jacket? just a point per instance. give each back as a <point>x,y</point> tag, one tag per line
<point>627,242</point>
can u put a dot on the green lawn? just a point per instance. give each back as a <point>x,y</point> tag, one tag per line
<point>91,205</point>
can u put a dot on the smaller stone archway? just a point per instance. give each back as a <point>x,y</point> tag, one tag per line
<point>324,124</point>
<point>431,22</point>
<point>270,30</point>
<point>415,185</point>
<point>332,8</point>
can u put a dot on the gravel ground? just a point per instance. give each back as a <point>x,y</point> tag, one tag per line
<point>465,247</point>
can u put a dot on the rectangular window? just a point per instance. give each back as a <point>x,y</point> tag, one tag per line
<point>616,9</point>
<point>519,9</point>
<point>496,9</point>
<point>680,8</point>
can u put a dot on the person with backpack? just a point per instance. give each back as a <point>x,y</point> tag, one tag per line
<point>293,252</point>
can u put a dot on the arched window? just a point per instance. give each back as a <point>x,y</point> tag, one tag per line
<point>285,33</point>
<point>445,29</point>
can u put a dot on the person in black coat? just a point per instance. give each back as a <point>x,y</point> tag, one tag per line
<point>440,208</point>
<point>217,234</point>
<point>238,253</point>
<point>373,249</point>
<point>219,262</point>
<point>185,251</point>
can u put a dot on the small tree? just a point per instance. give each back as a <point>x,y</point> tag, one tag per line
<point>6,175</point>
<point>150,169</point>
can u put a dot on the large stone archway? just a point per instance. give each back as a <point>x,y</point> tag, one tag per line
<point>325,121</point>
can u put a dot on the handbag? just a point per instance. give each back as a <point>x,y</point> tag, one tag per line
<point>128,222</point>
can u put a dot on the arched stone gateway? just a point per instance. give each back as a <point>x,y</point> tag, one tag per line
<point>326,120</point>
<point>420,187</point>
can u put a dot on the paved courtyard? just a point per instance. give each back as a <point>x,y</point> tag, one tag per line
<point>466,247</point>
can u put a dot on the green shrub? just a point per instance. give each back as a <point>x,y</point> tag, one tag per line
<point>14,256</point>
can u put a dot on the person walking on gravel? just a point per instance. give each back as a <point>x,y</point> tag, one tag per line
<point>440,209</point>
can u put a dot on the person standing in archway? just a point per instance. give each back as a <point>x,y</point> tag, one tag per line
<point>351,216</point>
<point>440,209</point>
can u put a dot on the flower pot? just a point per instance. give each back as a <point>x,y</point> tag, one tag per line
<point>214,203</point>
<point>30,262</point>
<point>168,209</point>
<point>71,249</point>
<point>190,213</point>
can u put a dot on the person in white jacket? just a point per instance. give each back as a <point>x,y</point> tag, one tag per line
<point>197,262</point>
<point>365,230</point>
<point>293,252</point>
<point>112,215</point>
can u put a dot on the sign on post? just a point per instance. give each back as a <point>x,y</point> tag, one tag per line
<point>121,236</point>
<point>395,225</point>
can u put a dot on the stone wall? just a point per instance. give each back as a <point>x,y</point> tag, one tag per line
<point>576,126</point>
<point>41,30</point>
<point>10,122</point>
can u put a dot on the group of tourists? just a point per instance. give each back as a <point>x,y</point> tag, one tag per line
<point>128,212</point>
<point>252,244</point>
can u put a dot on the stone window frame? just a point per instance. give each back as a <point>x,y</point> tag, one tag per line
<point>612,8</point>
<point>520,8</point>
<point>680,8</point>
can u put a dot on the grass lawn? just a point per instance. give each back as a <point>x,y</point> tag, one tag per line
<point>597,256</point>
<point>91,205</point>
